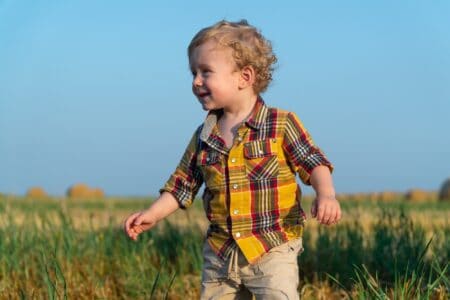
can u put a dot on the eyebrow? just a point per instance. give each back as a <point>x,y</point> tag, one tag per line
<point>202,66</point>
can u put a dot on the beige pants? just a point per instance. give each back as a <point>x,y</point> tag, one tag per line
<point>274,276</point>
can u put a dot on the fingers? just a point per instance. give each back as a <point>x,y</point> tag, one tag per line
<point>137,223</point>
<point>333,217</point>
<point>131,228</point>
<point>328,212</point>
<point>126,224</point>
<point>325,215</point>
<point>328,215</point>
<point>130,220</point>
<point>320,212</point>
<point>138,220</point>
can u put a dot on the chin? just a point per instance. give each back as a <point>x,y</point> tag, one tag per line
<point>205,106</point>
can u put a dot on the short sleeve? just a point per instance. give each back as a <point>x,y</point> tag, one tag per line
<point>186,180</point>
<point>301,153</point>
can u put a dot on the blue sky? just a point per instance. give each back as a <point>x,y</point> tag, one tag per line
<point>99,91</point>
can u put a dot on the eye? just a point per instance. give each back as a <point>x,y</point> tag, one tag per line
<point>206,72</point>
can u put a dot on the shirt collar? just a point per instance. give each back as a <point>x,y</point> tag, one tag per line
<point>256,121</point>
<point>259,114</point>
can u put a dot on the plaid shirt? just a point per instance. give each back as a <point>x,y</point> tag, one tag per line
<point>251,198</point>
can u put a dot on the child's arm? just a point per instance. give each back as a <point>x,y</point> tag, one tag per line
<point>144,220</point>
<point>325,207</point>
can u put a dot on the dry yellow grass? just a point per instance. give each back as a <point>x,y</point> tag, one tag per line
<point>85,219</point>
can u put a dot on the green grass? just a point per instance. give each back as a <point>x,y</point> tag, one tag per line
<point>56,260</point>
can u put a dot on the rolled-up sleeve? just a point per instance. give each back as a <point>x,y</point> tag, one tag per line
<point>186,180</point>
<point>301,153</point>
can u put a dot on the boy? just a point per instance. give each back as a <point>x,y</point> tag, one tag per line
<point>247,154</point>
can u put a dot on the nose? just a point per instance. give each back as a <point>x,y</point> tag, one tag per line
<point>197,80</point>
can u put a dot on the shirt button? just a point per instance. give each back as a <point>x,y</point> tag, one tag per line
<point>233,160</point>
<point>235,211</point>
<point>239,138</point>
<point>208,159</point>
<point>238,234</point>
<point>235,186</point>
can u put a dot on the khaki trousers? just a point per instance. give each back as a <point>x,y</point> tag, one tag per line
<point>274,276</point>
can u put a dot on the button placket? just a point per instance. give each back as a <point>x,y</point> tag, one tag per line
<point>235,159</point>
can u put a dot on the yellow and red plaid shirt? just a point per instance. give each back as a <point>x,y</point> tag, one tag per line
<point>251,198</point>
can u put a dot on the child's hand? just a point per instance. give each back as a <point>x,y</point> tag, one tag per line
<point>326,209</point>
<point>138,222</point>
<point>146,219</point>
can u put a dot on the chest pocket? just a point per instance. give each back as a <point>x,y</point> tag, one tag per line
<point>211,166</point>
<point>261,160</point>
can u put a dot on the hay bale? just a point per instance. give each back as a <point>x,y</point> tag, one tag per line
<point>36,192</point>
<point>78,190</point>
<point>444,192</point>
<point>417,195</point>
<point>81,190</point>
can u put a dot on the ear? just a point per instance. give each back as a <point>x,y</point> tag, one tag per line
<point>247,77</point>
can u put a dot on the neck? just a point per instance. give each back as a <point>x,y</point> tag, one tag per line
<point>241,110</point>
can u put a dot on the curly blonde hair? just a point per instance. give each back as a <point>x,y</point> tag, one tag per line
<point>249,48</point>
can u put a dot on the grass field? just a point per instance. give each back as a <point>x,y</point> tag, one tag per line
<point>75,249</point>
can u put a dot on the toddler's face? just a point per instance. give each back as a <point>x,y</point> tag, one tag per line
<point>215,75</point>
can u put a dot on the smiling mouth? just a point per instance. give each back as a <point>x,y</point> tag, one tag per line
<point>203,94</point>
